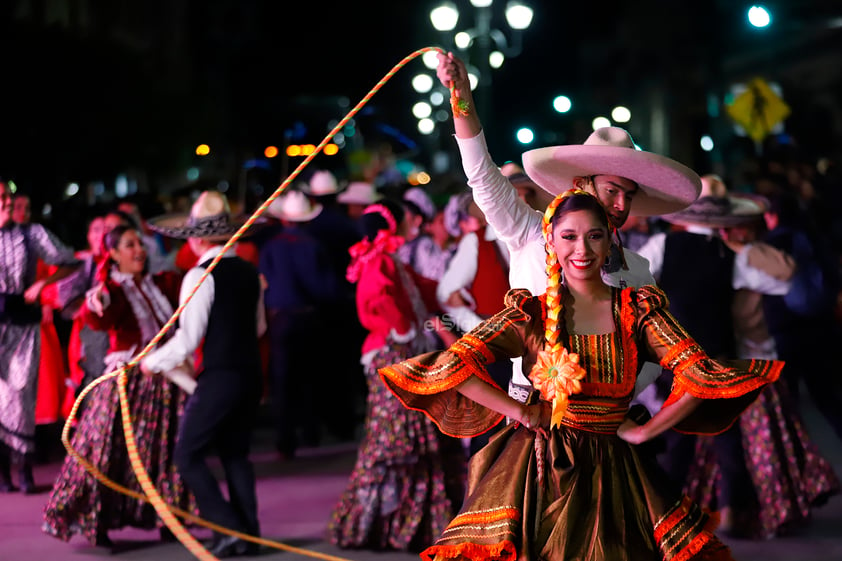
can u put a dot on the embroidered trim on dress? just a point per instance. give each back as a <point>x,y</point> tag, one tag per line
<point>684,530</point>
<point>149,305</point>
<point>479,525</point>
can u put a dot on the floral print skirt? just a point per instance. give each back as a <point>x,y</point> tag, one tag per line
<point>789,474</point>
<point>407,476</point>
<point>78,504</point>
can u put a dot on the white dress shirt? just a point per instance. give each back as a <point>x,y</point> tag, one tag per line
<point>744,276</point>
<point>193,321</point>
<point>460,274</point>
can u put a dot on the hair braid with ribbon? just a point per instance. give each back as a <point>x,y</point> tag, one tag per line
<point>556,373</point>
<point>552,330</point>
<point>552,341</point>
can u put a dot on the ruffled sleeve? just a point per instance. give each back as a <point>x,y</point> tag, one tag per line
<point>50,248</point>
<point>381,299</point>
<point>428,382</point>
<point>727,386</point>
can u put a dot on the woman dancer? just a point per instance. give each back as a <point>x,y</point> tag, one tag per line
<point>132,306</point>
<point>21,247</point>
<point>564,480</point>
<point>407,475</point>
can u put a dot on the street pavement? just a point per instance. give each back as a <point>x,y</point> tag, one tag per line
<point>296,498</point>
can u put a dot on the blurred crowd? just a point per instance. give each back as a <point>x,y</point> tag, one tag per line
<point>313,249</point>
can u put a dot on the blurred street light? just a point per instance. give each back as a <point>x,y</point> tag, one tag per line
<point>422,110</point>
<point>422,83</point>
<point>759,16</point>
<point>483,47</point>
<point>426,126</point>
<point>621,114</point>
<point>445,17</point>
<point>600,122</point>
<point>562,104</point>
<point>525,135</point>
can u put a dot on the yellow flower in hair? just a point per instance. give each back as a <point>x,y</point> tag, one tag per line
<point>557,375</point>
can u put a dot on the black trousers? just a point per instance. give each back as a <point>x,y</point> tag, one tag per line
<point>293,378</point>
<point>220,416</point>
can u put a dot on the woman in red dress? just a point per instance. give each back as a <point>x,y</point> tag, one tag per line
<point>132,306</point>
<point>86,347</point>
<point>407,480</point>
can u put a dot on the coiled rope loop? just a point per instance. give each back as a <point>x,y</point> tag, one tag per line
<point>165,511</point>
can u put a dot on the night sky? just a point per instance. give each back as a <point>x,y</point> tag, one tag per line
<point>154,78</point>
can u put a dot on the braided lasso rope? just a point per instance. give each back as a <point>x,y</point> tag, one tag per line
<point>165,511</point>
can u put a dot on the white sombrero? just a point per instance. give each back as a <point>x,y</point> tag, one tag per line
<point>359,193</point>
<point>420,198</point>
<point>294,206</point>
<point>666,186</point>
<point>322,183</point>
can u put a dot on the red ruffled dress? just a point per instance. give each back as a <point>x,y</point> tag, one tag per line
<point>78,503</point>
<point>407,475</point>
<point>52,366</point>
<point>600,499</point>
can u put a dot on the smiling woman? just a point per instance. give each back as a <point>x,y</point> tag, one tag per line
<point>580,237</point>
<point>128,253</point>
<point>131,305</point>
<point>579,234</point>
<point>569,452</point>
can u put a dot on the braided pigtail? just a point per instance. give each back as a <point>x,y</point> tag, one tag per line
<point>556,373</point>
<point>552,340</point>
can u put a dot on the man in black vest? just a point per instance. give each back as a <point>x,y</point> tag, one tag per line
<point>699,271</point>
<point>227,312</point>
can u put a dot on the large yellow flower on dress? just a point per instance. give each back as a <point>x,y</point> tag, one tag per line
<point>557,375</point>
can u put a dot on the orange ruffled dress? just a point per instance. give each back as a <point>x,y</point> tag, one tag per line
<point>601,499</point>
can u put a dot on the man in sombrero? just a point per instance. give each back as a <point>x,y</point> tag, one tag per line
<point>224,317</point>
<point>627,181</point>
<point>705,302</point>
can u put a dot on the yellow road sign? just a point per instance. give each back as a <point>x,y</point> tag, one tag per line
<point>758,109</point>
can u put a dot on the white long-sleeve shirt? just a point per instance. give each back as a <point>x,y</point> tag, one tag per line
<point>460,274</point>
<point>193,321</point>
<point>744,275</point>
